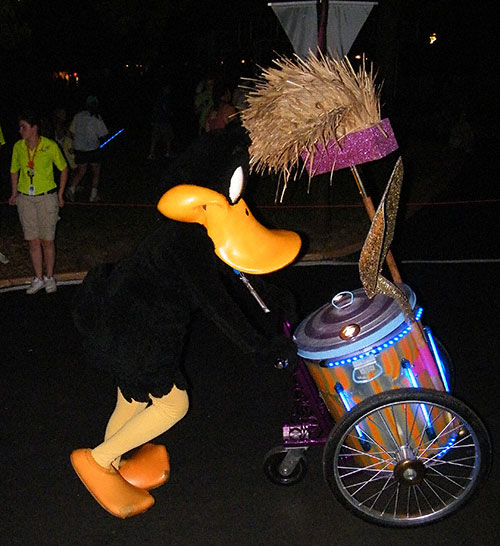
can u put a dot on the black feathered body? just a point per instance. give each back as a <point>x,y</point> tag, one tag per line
<point>135,315</point>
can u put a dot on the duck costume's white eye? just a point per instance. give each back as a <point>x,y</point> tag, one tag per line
<point>236,185</point>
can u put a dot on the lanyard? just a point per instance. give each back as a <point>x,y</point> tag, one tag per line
<point>31,162</point>
<point>31,158</point>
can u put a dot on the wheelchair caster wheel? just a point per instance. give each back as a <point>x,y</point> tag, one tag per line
<point>285,466</point>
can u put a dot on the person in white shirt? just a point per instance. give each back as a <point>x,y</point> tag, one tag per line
<point>87,130</point>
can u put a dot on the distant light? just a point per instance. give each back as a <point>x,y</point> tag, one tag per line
<point>358,57</point>
<point>66,76</point>
<point>243,61</point>
<point>432,38</point>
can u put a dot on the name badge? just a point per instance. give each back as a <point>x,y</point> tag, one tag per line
<point>31,189</point>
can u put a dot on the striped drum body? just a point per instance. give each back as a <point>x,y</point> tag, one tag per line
<point>355,347</point>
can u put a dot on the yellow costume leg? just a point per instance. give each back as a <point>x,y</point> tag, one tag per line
<point>123,412</point>
<point>112,491</point>
<point>143,426</point>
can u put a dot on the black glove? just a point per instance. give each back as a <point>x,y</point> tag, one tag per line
<point>282,352</point>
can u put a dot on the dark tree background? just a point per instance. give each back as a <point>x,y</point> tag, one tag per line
<point>122,50</point>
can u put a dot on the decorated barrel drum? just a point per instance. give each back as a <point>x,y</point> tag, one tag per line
<point>355,347</point>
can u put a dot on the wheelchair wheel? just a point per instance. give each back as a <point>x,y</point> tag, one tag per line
<point>284,467</point>
<point>406,457</point>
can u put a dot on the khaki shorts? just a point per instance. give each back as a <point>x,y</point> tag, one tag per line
<point>38,215</point>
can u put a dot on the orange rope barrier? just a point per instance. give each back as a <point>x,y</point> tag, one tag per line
<point>338,206</point>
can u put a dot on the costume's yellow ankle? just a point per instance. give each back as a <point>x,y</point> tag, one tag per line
<point>148,467</point>
<point>109,488</point>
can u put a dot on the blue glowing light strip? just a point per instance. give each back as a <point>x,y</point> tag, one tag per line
<point>344,397</point>
<point>348,404</point>
<point>447,447</point>
<point>437,358</point>
<point>413,382</point>
<point>111,138</point>
<point>377,349</point>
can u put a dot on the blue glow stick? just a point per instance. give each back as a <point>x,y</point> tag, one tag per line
<point>348,404</point>
<point>405,364</point>
<point>438,359</point>
<point>111,138</point>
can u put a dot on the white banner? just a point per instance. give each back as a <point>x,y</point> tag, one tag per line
<point>300,22</point>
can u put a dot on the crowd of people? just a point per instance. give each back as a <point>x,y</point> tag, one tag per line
<point>70,145</point>
<point>45,146</point>
<point>217,104</point>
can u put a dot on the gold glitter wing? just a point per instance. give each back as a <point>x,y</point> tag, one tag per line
<point>377,245</point>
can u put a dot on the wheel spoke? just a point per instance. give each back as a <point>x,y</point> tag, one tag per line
<point>417,502</point>
<point>376,496</point>
<point>438,462</point>
<point>365,483</point>
<point>405,411</point>
<point>388,428</point>
<point>408,503</point>
<point>432,423</point>
<point>368,437</point>
<point>355,470</point>
<point>399,442</point>
<point>420,408</point>
<point>356,452</point>
<point>455,446</point>
<point>384,509</point>
<point>424,496</point>
<point>441,434</point>
<point>434,487</point>
<point>413,423</point>
<point>449,478</point>
<point>396,501</point>
<point>429,485</point>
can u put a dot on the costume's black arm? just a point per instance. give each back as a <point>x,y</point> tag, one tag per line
<point>196,262</point>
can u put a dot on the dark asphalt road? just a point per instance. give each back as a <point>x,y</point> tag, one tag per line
<point>218,494</point>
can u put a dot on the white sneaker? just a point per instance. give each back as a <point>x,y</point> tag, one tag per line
<point>70,193</point>
<point>50,284</point>
<point>36,285</point>
<point>94,197</point>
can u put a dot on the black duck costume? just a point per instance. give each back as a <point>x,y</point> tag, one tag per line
<point>135,315</point>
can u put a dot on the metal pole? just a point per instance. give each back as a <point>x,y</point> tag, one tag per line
<point>322,18</point>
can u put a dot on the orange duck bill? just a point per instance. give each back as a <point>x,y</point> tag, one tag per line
<point>239,239</point>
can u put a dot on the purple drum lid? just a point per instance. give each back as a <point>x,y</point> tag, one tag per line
<point>319,335</point>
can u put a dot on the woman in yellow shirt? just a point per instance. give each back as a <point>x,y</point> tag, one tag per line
<point>37,197</point>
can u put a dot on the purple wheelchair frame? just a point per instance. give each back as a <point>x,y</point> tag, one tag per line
<point>310,421</point>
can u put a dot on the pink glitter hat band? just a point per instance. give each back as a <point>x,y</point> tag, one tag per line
<point>366,145</point>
